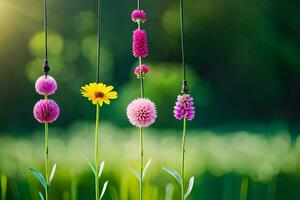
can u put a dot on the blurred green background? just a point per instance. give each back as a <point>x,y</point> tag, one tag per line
<point>244,72</point>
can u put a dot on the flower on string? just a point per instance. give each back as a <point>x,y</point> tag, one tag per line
<point>141,112</point>
<point>46,111</point>
<point>139,43</point>
<point>184,107</point>
<point>45,85</point>
<point>99,93</point>
<point>141,70</point>
<point>138,16</point>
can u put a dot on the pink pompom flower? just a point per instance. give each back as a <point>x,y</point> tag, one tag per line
<point>141,112</point>
<point>140,43</point>
<point>141,70</point>
<point>184,107</point>
<point>138,16</point>
<point>46,111</point>
<point>45,85</point>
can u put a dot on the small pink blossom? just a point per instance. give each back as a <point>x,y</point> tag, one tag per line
<point>141,112</point>
<point>141,69</point>
<point>138,16</point>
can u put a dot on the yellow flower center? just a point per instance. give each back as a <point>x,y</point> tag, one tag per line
<point>99,94</point>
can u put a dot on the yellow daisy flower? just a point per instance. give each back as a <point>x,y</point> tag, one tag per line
<point>99,93</point>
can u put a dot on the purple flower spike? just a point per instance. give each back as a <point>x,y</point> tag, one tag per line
<point>138,16</point>
<point>184,107</point>
<point>140,43</point>
<point>45,85</point>
<point>46,111</point>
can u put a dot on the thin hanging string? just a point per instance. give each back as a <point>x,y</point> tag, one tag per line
<point>46,29</point>
<point>46,66</point>
<point>98,47</point>
<point>182,40</point>
<point>184,89</point>
<point>138,4</point>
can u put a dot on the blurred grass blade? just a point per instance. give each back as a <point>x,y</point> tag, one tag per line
<point>90,164</point>
<point>145,169</point>
<point>103,189</point>
<point>190,188</point>
<point>169,191</point>
<point>136,174</point>
<point>244,188</point>
<point>40,177</point>
<point>3,187</point>
<point>52,173</point>
<point>175,174</point>
<point>101,167</point>
<point>74,187</point>
<point>41,196</point>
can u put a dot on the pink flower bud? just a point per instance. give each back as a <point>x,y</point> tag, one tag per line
<point>138,16</point>
<point>142,68</point>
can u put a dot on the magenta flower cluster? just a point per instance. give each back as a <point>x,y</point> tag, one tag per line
<point>140,43</point>
<point>46,110</point>
<point>184,107</point>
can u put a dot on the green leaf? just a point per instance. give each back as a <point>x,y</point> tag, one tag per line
<point>101,167</point>
<point>136,174</point>
<point>41,196</point>
<point>145,169</point>
<point>103,189</point>
<point>175,174</point>
<point>190,188</point>
<point>52,173</point>
<point>40,177</point>
<point>90,164</point>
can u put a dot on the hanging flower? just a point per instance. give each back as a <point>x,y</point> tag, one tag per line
<point>45,85</point>
<point>184,107</point>
<point>138,16</point>
<point>141,112</point>
<point>142,69</point>
<point>140,44</point>
<point>46,111</point>
<point>99,93</point>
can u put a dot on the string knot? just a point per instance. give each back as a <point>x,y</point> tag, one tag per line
<point>184,88</point>
<point>46,67</point>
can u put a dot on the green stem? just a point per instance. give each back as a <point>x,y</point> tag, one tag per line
<point>273,188</point>
<point>141,163</point>
<point>3,187</point>
<point>183,152</point>
<point>97,153</point>
<point>74,185</point>
<point>46,158</point>
<point>244,188</point>
<point>141,137</point>
<point>141,80</point>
